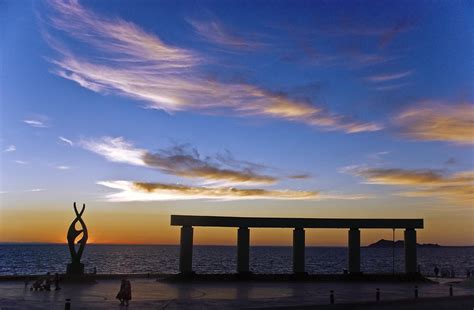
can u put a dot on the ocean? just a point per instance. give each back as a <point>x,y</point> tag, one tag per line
<point>27,259</point>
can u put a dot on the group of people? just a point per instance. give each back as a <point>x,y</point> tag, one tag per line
<point>446,273</point>
<point>125,292</point>
<point>45,283</point>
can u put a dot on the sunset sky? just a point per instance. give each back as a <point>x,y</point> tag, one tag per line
<point>142,109</point>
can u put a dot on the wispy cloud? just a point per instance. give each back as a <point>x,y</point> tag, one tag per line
<point>10,148</point>
<point>35,190</point>
<point>378,155</point>
<point>438,121</point>
<point>340,196</point>
<point>182,160</point>
<point>451,161</point>
<point>65,140</point>
<point>131,62</point>
<point>38,122</point>
<point>390,87</point>
<point>138,191</point>
<point>62,167</point>
<point>302,176</point>
<point>21,162</point>
<point>457,187</point>
<point>215,32</point>
<point>389,76</point>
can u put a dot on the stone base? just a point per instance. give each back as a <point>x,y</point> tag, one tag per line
<point>75,269</point>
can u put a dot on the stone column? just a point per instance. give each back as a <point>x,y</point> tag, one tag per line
<point>186,250</point>
<point>243,241</point>
<point>354,250</point>
<point>410,250</point>
<point>298,250</point>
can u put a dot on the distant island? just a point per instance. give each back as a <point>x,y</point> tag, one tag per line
<point>382,243</point>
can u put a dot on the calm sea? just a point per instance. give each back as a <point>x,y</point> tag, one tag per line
<point>24,259</point>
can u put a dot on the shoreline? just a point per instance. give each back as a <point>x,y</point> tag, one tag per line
<point>232,277</point>
<point>229,245</point>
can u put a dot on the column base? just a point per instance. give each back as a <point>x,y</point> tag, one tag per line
<point>355,275</point>
<point>75,269</point>
<point>187,274</point>
<point>244,275</point>
<point>300,275</point>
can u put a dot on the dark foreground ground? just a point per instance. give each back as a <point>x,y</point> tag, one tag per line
<point>438,303</point>
<point>153,294</point>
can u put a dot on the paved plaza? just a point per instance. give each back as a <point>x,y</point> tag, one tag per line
<point>152,294</point>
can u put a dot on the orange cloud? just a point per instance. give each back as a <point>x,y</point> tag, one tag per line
<point>435,121</point>
<point>140,191</point>
<point>457,188</point>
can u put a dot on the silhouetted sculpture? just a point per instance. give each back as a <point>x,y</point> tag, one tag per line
<point>76,267</point>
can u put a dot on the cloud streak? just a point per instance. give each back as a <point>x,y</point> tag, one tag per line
<point>128,61</point>
<point>182,161</point>
<point>10,148</point>
<point>215,32</point>
<point>139,191</point>
<point>65,140</point>
<point>456,188</point>
<point>389,76</point>
<point>38,123</point>
<point>62,167</point>
<point>437,121</point>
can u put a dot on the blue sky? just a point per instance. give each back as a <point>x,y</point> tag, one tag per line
<point>338,108</point>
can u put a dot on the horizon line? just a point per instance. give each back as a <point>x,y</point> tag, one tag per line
<point>223,245</point>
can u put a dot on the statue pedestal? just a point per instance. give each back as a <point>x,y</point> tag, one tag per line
<point>75,269</point>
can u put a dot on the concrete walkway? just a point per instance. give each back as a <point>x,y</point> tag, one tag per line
<point>151,294</point>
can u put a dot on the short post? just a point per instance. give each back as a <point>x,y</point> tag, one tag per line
<point>377,295</point>
<point>186,250</point>
<point>67,305</point>
<point>451,290</point>
<point>416,292</point>
<point>331,297</point>
<point>243,243</point>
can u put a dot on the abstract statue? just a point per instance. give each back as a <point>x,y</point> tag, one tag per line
<point>75,267</point>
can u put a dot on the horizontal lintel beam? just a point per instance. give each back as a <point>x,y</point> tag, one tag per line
<point>269,222</point>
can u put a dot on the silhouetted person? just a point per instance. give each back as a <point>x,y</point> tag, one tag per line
<point>37,285</point>
<point>436,271</point>
<point>121,290</point>
<point>95,270</point>
<point>128,292</point>
<point>47,284</point>
<point>453,275</point>
<point>56,282</point>
<point>125,292</point>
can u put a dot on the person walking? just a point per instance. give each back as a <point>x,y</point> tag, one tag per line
<point>125,292</point>
<point>436,271</point>
<point>121,292</point>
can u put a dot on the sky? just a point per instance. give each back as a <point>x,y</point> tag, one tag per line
<point>143,109</point>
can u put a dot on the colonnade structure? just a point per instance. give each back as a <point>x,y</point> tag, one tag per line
<point>187,222</point>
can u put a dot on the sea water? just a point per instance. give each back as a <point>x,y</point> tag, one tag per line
<point>26,259</point>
